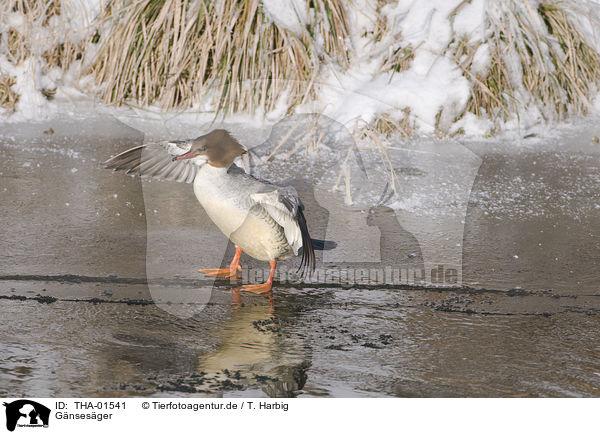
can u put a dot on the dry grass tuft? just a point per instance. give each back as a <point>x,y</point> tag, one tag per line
<point>176,52</point>
<point>331,24</point>
<point>399,59</point>
<point>557,68</point>
<point>36,13</point>
<point>386,126</point>
<point>491,92</point>
<point>62,55</point>
<point>400,55</point>
<point>381,23</point>
<point>8,98</point>
<point>35,10</point>
<point>576,62</point>
<point>17,47</point>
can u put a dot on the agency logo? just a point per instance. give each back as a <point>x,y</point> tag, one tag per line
<point>26,413</point>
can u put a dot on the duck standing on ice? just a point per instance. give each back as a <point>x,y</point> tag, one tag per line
<point>262,219</point>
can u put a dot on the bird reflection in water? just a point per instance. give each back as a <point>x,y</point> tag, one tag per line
<point>237,303</point>
<point>254,351</point>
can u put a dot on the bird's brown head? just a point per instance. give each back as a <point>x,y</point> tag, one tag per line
<point>219,147</point>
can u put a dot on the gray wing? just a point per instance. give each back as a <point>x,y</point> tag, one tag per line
<point>155,160</point>
<point>285,207</point>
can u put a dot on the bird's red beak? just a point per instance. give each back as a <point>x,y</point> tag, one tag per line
<point>189,154</point>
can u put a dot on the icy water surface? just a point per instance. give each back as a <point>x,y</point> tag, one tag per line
<point>99,293</point>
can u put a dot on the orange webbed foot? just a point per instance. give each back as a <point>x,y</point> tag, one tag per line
<point>231,273</point>
<point>261,288</point>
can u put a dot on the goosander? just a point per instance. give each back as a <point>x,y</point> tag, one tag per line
<point>264,220</point>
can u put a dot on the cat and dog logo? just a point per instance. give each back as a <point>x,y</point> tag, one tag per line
<point>26,413</point>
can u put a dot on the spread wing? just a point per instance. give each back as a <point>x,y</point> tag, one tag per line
<point>155,160</point>
<point>285,207</point>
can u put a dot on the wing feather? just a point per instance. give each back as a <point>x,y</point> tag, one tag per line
<point>285,207</point>
<point>155,161</point>
<point>183,173</point>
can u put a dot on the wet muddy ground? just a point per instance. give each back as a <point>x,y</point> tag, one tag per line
<point>99,293</point>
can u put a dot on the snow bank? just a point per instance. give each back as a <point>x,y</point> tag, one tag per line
<point>432,90</point>
<point>33,76</point>
<point>432,87</point>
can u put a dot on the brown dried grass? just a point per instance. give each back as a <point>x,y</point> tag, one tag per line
<point>559,67</point>
<point>17,47</point>
<point>180,53</point>
<point>386,126</point>
<point>8,97</point>
<point>176,52</point>
<point>35,10</point>
<point>62,55</point>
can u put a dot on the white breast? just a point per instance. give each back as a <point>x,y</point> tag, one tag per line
<point>228,205</point>
<point>221,205</point>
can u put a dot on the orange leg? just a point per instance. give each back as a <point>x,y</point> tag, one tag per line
<point>261,288</point>
<point>231,272</point>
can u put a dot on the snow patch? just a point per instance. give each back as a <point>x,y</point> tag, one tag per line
<point>289,14</point>
<point>469,21</point>
<point>473,126</point>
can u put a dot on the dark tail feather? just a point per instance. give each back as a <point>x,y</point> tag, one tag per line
<point>307,264</point>
<point>323,244</point>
